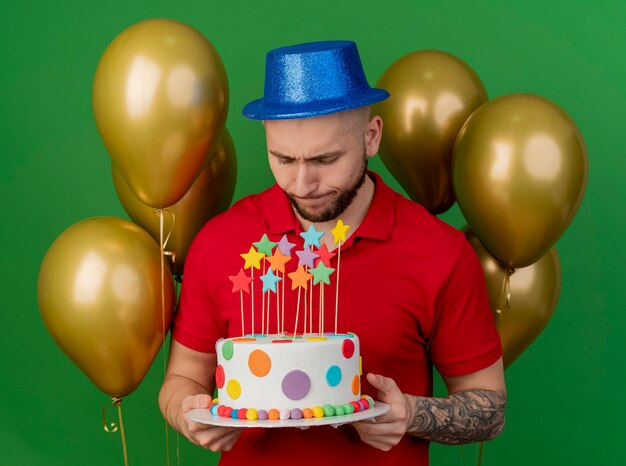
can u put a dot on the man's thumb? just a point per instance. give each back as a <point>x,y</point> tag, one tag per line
<point>388,391</point>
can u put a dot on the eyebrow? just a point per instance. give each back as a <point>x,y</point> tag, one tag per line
<point>324,155</point>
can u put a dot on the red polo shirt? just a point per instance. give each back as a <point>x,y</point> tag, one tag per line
<point>410,287</point>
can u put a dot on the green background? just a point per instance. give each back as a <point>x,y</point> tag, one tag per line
<point>565,394</point>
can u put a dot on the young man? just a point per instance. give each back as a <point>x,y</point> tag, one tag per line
<point>411,287</point>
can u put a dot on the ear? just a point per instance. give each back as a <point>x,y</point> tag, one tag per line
<point>373,134</point>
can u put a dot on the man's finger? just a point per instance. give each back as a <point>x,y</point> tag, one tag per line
<point>195,402</point>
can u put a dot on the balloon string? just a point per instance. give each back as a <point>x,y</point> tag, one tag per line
<point>162,245</point>
<point>113,426</point>
<point>480,453</point>
<point>177,448</point>
<point>505,297</point>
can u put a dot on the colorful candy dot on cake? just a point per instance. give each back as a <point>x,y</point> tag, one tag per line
<point>233,388</point>
<point>347,348</point>
<point>328,410</point>
<point>273,414</point>
<point>282,341</point>
<point>318,411</point>
<point>220,410</point>
<point>252,414</point>
<point>333,376</point>
<point>262,414</point>
<point>356,406</point>
<point>215,410</point>
<point>356,385</point>
<point>369,400</point>
<point>234,413</point>
<point>228,411</point>
<point>317,338</point>
<point>219,376</point>
<point>296,413</point>
<point>295,385</point>
<point>364,405</point>
<point>259,363</point>
<point>339,410</point>
<point>285,414</point>
<point>307,413</point>
<point>227,350</point>
<point>348,408</point>
<point>242,413</point>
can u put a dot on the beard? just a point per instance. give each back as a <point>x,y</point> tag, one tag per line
<point>338,206</point>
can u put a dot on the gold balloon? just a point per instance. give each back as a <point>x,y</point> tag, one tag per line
<point>519,172</point>
<point>99,293</point>
<point>534,292</point>
<point>160,99</point>
<point>210,194</point>
<point>432,94</point>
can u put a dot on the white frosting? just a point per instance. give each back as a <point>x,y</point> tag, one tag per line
<point>308,354</point>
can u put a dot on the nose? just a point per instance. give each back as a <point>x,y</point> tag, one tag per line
<point>306,180</point>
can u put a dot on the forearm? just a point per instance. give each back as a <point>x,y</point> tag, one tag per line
<point>462,417</point>
<point>174,390</point>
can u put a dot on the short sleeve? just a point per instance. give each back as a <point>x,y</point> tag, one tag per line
<point>464,337</point>
<point>197,323</point>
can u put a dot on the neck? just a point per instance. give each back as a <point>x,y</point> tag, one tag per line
<point>353,215</point>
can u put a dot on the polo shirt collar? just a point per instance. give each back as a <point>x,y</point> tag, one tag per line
<point>380,217</point>
<point>279,217</point>
<point>377,224</point>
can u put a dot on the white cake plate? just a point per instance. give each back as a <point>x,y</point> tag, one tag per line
<point>204,416</point>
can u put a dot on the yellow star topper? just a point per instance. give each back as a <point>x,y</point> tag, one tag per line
<point>339,232</point>
<point>252,258</point>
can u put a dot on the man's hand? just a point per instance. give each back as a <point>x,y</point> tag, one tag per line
<point>472,412</point>
<point>388,429</point>
<point>210,437</point>
<point>188,382</point>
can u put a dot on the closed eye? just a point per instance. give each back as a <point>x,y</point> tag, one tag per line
<point>285,160</point>
<point>324,161</point>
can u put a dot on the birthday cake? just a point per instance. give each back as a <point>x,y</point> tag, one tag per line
<point>281,377</point>
<point>289,375</point>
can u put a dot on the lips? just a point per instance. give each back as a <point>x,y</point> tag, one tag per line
<point>313,202</point>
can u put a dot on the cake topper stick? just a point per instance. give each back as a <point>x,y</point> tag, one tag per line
<point>325,258</point>
<point>305,313</point>
<point>299,279</point>
<point>241,283</point>
<point>311,238</point>
<point>243,328</point>
<point>264,246</point>
<point>270,282</point>
<point>252,260</point>
<point>311,308</point>
<point>278,307</point>
<point>321,275</point>
<point>339,236</point>
<point>282,316</point>
<point>252,299</point>
<point>285,247</point>
<point>321,307</point>
<point>295,327</point>
<point>277,262</point>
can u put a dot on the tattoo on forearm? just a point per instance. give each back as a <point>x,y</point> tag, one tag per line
<point>463,417</point>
